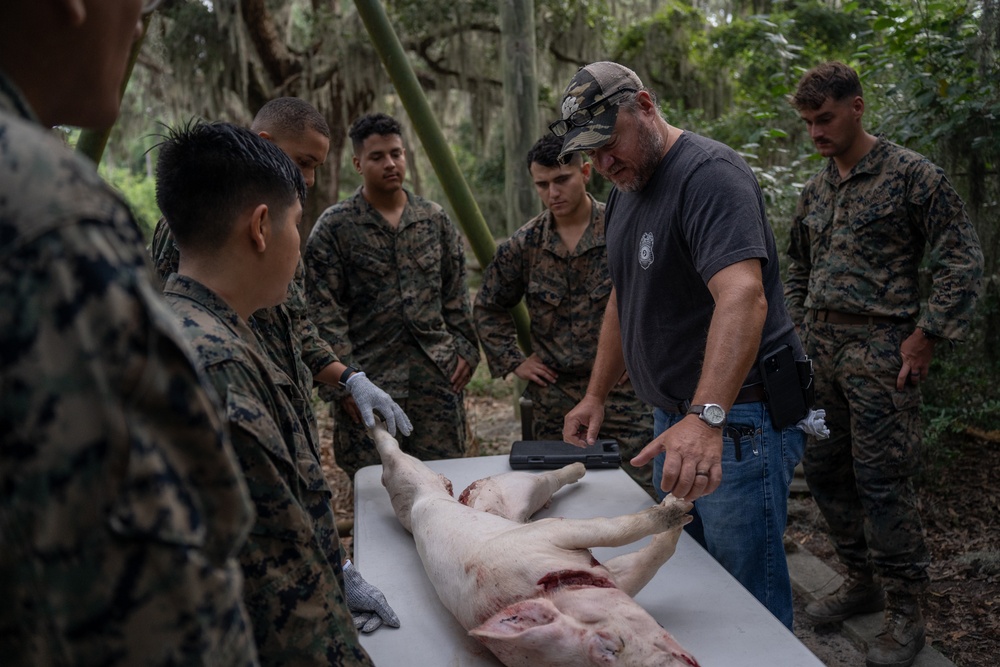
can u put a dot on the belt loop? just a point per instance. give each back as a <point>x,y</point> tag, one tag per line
<point>684,406</point>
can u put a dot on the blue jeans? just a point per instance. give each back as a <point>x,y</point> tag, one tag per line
<point>742,523</point>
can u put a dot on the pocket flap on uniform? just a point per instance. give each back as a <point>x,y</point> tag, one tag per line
<point>545,292</point>
<point>249,414</point>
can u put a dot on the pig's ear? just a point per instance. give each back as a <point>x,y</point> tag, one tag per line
<point>517,619</point>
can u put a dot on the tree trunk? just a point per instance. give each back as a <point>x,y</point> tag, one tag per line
<point>520,95</point>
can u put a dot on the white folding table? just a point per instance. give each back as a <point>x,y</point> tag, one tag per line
<point>692,596</point>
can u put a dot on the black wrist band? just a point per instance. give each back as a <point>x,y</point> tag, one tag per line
<point>348,372</point>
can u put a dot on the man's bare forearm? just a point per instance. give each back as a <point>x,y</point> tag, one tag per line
<point>734,334</point>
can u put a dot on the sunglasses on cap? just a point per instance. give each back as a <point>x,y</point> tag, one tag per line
<point>583,116</point>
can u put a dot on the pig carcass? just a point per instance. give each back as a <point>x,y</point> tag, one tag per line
<point>532,592</point>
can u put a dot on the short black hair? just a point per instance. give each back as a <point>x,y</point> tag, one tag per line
<point>372,123</point>
<point>285,116</point>
<point>833,80</point>
<point>546,152</point>
<point>209,173</point>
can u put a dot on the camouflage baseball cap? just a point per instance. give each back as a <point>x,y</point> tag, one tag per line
<point>590,105</point>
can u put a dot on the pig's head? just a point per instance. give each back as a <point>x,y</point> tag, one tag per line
<point>580,626</point>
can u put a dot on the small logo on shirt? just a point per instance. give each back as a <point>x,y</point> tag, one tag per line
<point>646,250</point>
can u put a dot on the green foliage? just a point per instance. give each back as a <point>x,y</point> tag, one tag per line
<point>482,384</point>
<point>484,172</point>
<point>663,50</point>
<point>139,191</point>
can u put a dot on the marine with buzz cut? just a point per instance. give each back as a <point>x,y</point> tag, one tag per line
<point>233,201</point>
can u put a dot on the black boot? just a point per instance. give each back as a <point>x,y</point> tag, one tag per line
<point>859,594</point>
<point>902,635</point>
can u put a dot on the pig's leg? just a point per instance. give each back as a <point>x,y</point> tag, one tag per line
<point>615,531</point>
<point>518,495</point>
<point>632,571</point>
<point>406,477</point>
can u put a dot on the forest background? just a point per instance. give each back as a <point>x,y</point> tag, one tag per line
<point>722,68</point>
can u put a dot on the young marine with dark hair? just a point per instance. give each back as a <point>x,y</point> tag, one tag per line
<point>234,201</point>
<point>385,277</point>
<point>286,331</point>
<point>558,262</point>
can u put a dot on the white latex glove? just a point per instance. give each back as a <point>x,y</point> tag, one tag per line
<point>367,604</point>
<point>370,398</point>
<point>814,424</point>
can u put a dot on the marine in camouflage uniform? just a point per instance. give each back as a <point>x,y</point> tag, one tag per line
<point>393,302</point>
<point>294,583</point>
<point>121,503</point>
<point>566,294</point>
<point>290,339</point>
<point>856,245</point>
<point>292,560</point>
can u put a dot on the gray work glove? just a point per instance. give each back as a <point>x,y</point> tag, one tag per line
<point>367,603</point>
<point>814,424</point>
<point>370,398</point>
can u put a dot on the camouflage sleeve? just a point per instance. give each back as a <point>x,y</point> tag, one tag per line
<point>325,285</point>
<point>163,251</point>
<point>457,312</point>
<point>316,352</point>
<point>956,262</point>
<point>502,289</point>
<point>799,265</point>
<point>291,565</point>
<point>121,505</point>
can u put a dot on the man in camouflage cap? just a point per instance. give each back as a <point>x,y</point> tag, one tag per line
<point>121,502</point>
<point>697,302</point>
<point>234,201</point>
<point>558,262</point>
<point>857,242</point>
<point>385,280</point>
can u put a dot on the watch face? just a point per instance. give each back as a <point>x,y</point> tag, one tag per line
<point>714,414</point>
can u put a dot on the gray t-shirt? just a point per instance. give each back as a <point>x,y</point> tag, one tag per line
<point>701,211</point>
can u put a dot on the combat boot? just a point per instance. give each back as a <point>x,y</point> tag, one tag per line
<point>901,637</point>
<point>859,594</point>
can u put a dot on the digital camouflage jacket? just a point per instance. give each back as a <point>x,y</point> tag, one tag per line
<point>292,560</point>
<point>374,292</point>
<point>121,502</point>
<point>856,244</point>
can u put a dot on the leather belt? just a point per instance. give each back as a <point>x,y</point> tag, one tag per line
<point>749,393</point>
<point>837,317</point>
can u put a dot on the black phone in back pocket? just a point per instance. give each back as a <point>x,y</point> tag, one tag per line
<point>783,387</point>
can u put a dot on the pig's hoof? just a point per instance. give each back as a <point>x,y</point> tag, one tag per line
<point>675,510</point>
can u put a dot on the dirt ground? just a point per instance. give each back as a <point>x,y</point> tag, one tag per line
<point>959,503</point>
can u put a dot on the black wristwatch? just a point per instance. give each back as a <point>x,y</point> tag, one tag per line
<point>348,372</point>
<point>711,413</point>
